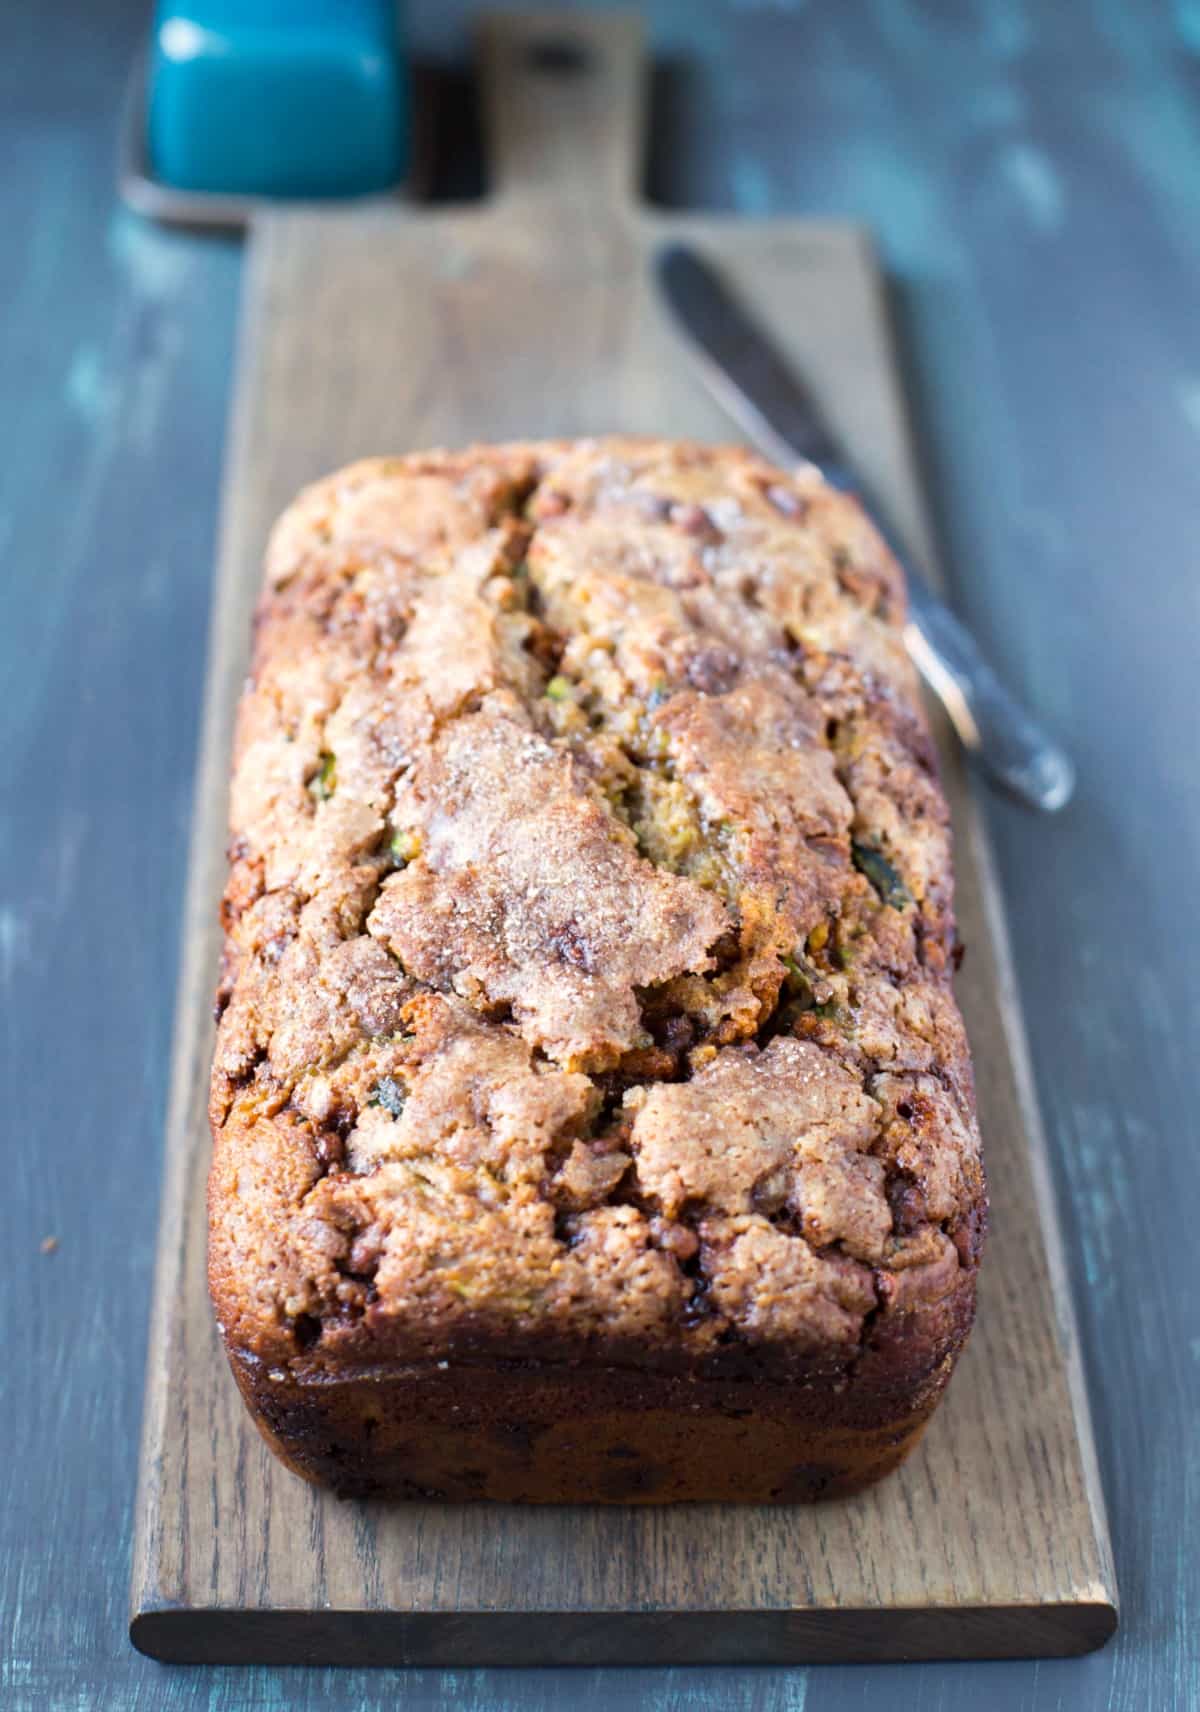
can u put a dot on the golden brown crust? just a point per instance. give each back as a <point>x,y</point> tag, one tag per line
<point>586,1005</point>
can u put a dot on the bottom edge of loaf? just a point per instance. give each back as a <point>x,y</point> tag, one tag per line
<point>532,1437</point>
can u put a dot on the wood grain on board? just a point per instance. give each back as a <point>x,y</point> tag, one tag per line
<point>533,315</point>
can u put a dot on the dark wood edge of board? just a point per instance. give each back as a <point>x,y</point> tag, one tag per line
<point>495,1638</point>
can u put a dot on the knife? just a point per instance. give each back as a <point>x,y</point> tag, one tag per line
<point>748,376</point>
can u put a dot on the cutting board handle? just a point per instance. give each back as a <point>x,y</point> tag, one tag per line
<point>564,98</point>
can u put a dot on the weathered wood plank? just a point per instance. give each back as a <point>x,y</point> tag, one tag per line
<point>533,315</point>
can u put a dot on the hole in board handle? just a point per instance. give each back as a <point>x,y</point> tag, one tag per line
<point>558,57</point>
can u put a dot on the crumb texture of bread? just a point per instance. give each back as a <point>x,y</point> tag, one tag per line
<point>586,1001</point>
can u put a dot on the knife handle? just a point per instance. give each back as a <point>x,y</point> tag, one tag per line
<point>1008,742</point>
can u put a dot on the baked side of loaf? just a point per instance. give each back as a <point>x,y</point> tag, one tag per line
<point>587,1053</point>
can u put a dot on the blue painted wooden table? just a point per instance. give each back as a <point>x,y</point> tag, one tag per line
<point>1034,175</point>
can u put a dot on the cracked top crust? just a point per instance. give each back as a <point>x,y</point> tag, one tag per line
<point>589,929</point>
<point>528,894</point>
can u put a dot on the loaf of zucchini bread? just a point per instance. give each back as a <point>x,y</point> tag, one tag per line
<point>592,1116</point>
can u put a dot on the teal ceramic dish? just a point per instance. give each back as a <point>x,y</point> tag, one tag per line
<point>299,99</point>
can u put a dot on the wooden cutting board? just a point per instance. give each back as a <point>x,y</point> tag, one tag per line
<point>532,314</point>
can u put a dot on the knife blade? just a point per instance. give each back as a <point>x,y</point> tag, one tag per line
<point>747,374</point>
